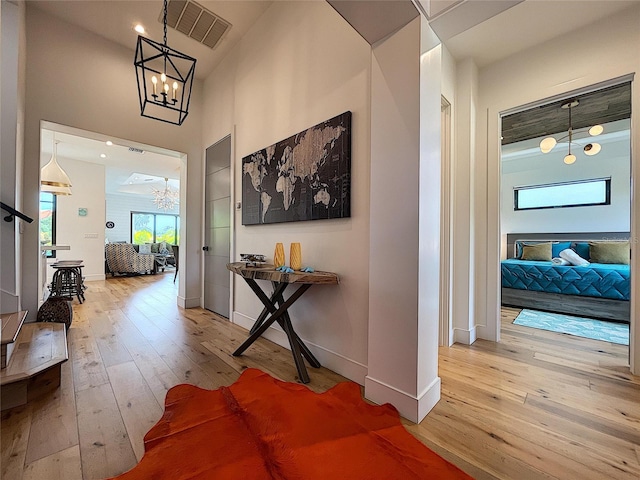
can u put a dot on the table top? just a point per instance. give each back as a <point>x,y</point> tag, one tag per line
<point>268,272</point>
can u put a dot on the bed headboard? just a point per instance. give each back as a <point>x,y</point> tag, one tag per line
<point>557,237</point>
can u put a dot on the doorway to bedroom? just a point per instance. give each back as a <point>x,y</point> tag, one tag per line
<point>565,223</point>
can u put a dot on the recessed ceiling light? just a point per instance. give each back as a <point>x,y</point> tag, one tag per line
<point>103,155</point>
<point>109,143</point>
<point>139,28</point>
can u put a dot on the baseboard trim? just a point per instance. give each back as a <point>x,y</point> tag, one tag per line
<point>96,277</point>
<point>413,408</point>
<point>193,302</point>
<point>347,367</point>
<point>465,337</point>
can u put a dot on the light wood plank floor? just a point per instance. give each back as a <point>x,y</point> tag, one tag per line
<point>538,405</point>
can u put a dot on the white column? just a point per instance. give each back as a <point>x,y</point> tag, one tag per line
<point>464,329</point>
<point>404,225</point>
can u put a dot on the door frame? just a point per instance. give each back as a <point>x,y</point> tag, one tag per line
<point>445,337</point>
<point>494,209</point>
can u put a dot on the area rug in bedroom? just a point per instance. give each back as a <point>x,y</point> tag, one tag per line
<point>578,326</point>
<point>260,428</point>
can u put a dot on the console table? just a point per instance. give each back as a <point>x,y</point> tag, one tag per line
<point>276,307</point>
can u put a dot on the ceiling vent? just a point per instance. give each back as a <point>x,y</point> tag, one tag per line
<point>136,150</point>
<point>196,22</point>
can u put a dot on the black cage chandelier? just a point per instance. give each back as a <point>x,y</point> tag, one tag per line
<point>165,79</point>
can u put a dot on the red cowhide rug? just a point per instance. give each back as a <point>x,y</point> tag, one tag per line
<point>261,428</point>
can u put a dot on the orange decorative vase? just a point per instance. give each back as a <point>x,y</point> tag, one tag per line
<point>278,256</point>
<point>295,256</point>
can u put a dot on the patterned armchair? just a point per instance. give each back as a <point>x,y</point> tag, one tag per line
<point>122,258</point>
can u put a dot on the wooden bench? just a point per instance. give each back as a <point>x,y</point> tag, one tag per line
<point>33,360</point>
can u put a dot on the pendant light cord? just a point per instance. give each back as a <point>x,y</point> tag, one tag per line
<point>570,129</point>
<point>165,23</point>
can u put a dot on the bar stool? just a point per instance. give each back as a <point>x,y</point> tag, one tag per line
<point>67,279</point>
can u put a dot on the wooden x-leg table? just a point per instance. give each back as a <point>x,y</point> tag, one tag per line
<point>276,307</point>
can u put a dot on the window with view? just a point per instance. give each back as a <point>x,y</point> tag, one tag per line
<point>48,221</point>
<point>580,193</point>
<point>154,228</point>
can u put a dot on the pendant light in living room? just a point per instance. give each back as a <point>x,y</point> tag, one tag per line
<point>592,148</point>
<point>53,178</point>
<point>165,79</point>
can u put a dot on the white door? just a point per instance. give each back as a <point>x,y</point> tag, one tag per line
<point>217,226</point>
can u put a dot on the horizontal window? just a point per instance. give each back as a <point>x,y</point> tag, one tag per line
<point>581,193</point>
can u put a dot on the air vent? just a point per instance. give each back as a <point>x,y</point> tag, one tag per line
<point>196,22</point>
<point>136,150</point>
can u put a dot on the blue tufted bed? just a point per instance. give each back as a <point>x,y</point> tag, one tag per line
<point>600,290</point>
<point>599,280</point>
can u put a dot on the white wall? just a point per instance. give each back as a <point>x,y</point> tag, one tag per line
<point>119,208</point>
<point>81,80</point>
<point>11,151</point>
<point>84,235</point>
<point>301,64</point>
<point>539,169</point>
<point>605,50</point>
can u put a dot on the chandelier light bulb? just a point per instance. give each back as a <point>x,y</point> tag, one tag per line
<point>592,148</point>
<point>163,77</point>
<point>569,159</point>
<point>596,130</point>
<point>547,144</point>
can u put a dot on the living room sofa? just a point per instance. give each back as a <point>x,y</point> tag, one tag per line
<point>122,258</point>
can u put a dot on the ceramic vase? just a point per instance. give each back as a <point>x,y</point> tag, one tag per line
<point>295,256</point>
<point>278,256</point>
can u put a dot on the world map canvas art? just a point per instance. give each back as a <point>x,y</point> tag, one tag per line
<point>305,177</point>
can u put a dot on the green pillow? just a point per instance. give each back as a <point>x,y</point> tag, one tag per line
<point>538,251</point>
<point>610,252</point>
<point>154,248</point>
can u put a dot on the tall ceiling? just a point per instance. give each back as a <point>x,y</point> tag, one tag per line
<point>520,25</point>
<point>115,20</point>
<point>523,25</point>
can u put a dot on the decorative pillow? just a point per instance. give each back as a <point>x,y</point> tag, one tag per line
<point>573,258</point>
<point>538,251</point>
<point>163,249</point>
<point>582,249</point>
<point>610,252</point>
<point>145,249</point>
<point>154,247</point>
<point>557,247</point>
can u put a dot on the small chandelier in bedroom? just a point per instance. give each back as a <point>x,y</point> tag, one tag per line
<point>592,148</point>
<point>165,79</point>
<point>165,199</point>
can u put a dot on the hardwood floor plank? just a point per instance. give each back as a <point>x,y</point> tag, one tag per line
<point>105,447</point>
<point>54,425</point>
<point>88,369</point>
<point>139,408</point>
<point>14,437</point>
<point>111,349</point>
<point>63,465</point>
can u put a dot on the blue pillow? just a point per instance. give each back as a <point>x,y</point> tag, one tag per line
<point>582,249</point>
<point>557,247</point>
